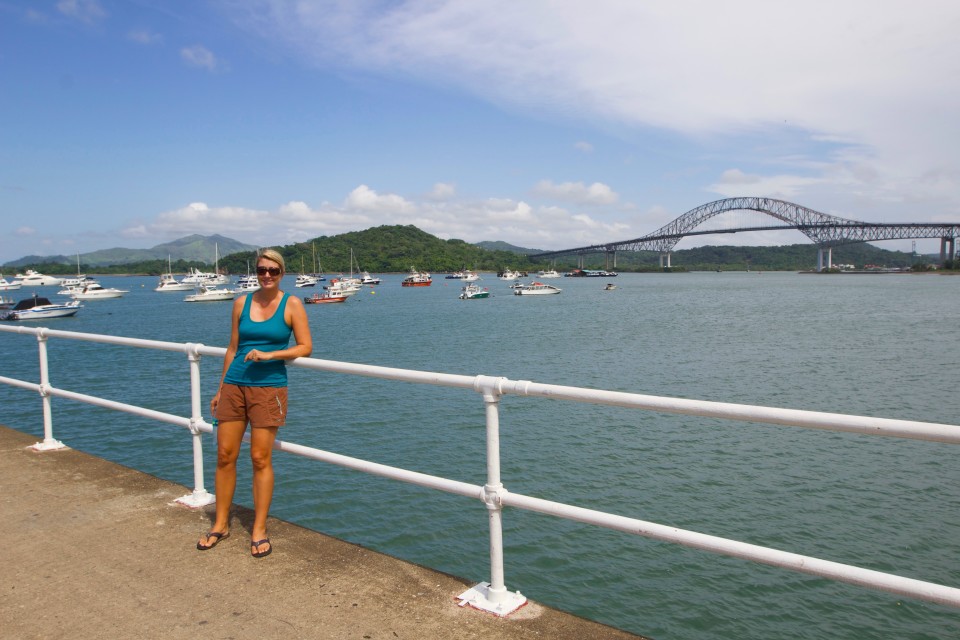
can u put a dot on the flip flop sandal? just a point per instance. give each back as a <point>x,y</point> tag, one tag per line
<point>218,536</point>
<point>256,543</point>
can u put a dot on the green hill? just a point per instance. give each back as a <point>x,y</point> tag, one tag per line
<point>193,248</point>
<point>393,249</point>
<point>386,249</point>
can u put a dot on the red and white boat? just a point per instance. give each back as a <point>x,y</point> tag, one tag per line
<point>323,298</point>
<point>417,279</point>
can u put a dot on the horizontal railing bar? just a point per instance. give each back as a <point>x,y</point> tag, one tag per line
<point>180,421</point>
<point>23,384</point>
<point>101,338</point>
<point>866,425</point>
<point>891,583</point>
<point>385,471</point>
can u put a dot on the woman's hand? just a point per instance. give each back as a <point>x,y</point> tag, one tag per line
<point>256,356</point>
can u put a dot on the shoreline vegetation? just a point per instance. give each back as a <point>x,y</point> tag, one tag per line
<point>395,249</point>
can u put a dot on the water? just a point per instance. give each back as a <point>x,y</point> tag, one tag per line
<point>870,345</point>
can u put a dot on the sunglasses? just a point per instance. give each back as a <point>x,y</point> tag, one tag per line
<point>273,271</point>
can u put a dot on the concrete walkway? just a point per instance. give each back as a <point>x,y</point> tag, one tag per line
<point>92,549</point>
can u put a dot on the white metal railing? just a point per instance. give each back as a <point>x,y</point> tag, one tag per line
<point>494,596</point>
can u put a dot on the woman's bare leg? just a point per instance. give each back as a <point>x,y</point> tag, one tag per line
<point>261,457</point>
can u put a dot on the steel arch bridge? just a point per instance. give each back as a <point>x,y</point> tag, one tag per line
<point>824,230</point>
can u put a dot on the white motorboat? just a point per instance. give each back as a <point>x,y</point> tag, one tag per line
<point>305,280</point>
<point>470,276</point>
<point>95,291</point>
<point>247,284</point>
<point>6,285</point>
<point>549,273</point>
<point>343,286</point>
<point>366,278</point>
<point>536,289</point>
<point>196,277</point>
<point>31,278</point>
<point>169,283</point>
<point>507,274</point>
<point>37,308</point>
<point>209,293</point>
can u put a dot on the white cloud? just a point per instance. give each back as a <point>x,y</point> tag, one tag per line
<point>24,231</point>
<point>576,192</point>
<point>442,191</point>
<point>584,147</point>
<point>200,56</point>
<point>363,198</point>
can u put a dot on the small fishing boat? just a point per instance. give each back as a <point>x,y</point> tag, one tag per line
<point>474,292</point>
<point>366,278</point>
<point>610,287</point>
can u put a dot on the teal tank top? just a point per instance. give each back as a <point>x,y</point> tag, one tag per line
<point>272,334</point>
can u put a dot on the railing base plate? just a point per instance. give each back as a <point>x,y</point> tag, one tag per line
<point>48,445</point>
<point>478,597</point>
<point>197,499</point>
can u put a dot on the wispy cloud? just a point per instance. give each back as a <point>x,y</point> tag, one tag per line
<point>86,11</point>
<point>201,57</point>
<point>144,36</point>
<point>878,85</point>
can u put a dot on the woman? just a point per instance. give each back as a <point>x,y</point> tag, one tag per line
<point>253,388</point>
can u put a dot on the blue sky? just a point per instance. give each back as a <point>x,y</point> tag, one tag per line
<point>546,124</point>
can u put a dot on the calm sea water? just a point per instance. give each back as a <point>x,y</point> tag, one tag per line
<point>870,345</point>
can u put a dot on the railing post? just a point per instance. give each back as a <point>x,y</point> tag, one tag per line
<point>493,596</point>
<point>200,497</point>
<point>48,444</point>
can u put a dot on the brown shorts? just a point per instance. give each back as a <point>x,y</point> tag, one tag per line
<point>260,406</point>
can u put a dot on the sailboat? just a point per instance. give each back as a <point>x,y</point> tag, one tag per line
<point>317,274</point>
<point>365,277</point>
<point>304,279</point>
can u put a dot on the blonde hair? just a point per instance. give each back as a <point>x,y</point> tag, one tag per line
<point>274,256</point>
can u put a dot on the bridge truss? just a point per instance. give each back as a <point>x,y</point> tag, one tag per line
<point>824,230</point>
